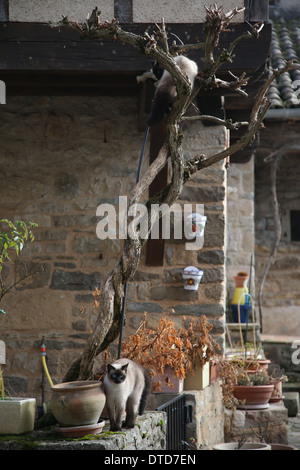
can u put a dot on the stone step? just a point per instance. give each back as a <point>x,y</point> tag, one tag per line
<point>291,387</point>
<point>291,402</point>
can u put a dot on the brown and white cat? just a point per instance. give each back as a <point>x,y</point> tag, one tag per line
<point>127,386</point>
<point>166,90</point>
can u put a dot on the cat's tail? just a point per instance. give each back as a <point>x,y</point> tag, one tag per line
<point>162,103</point>
<point>146,392</point>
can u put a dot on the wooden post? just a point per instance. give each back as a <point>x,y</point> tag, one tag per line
<point>3,10</point>
<point>155,248</point>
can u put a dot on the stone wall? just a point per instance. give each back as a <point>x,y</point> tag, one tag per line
<point>207,418</point>
<point>149,434</point>
<point>143,11</point>
<point>268,425</point>
<point>61,157</point>
<point>280,300</point>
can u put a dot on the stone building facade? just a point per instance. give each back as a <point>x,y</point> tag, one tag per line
<point>280,138</point>
<point>59,168</point>
<point>61,157</point>
<point>280,299</point>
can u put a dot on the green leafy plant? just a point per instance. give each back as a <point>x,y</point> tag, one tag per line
<point>13,236</point>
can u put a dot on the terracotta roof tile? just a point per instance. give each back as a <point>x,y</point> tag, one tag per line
<point>285,45</point>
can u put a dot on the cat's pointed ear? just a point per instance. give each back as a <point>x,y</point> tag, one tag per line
<point>125,366</point>
<point>110,367</point>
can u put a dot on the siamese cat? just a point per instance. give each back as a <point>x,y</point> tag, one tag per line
<point>166,90</point>
<point>127,386</point>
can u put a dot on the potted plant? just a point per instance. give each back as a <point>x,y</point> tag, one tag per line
<point>242,389</point>
<point>17,414</point>
<point>250,357</point>
<point>253,391</point>
<point>248,353</point>
<point>170,354</point>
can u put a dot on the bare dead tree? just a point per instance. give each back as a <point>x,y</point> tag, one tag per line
<point>112,291</point>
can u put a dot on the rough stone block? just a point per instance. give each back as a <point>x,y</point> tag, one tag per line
<point>211,257</point>
<point>213,310</point>
<point>268,424</point>
<point>74,281</point>
<point>39,274</point>
<point>208,194</point>
<point>172,293</point>
<point>150,307</point>
<point>213,275</point>
<point>291,402</point>
<point>66,186</point>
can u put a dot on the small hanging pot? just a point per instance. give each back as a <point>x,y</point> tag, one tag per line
<point>195,225</point>
<point>192,277</point>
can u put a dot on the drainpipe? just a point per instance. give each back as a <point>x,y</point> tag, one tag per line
<point>283,114</point>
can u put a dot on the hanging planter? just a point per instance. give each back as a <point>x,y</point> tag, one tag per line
<point>192,277</point>
<point>195,225</point>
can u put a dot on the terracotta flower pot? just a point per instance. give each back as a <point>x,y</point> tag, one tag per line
<point>241,280</point>
<point>253,396</point>
<point>169,374</point>
<point>277,392</point>
<point>258,364</point>
<point>77,403</point>
<point>214,371</point>
<point>282,447</point>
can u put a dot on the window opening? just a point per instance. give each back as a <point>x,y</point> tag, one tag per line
<point>295,225</point>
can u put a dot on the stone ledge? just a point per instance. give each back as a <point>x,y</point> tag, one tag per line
<point>269,424</point>
<point>148,434</point>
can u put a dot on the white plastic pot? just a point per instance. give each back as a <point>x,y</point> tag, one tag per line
<point>195,224</point>
<point>192,277</point>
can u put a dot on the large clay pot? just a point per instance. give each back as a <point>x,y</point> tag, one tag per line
<point>253,396</point>
<point>245,446</point>
<point>77,403</point>
<point>282,447</point>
